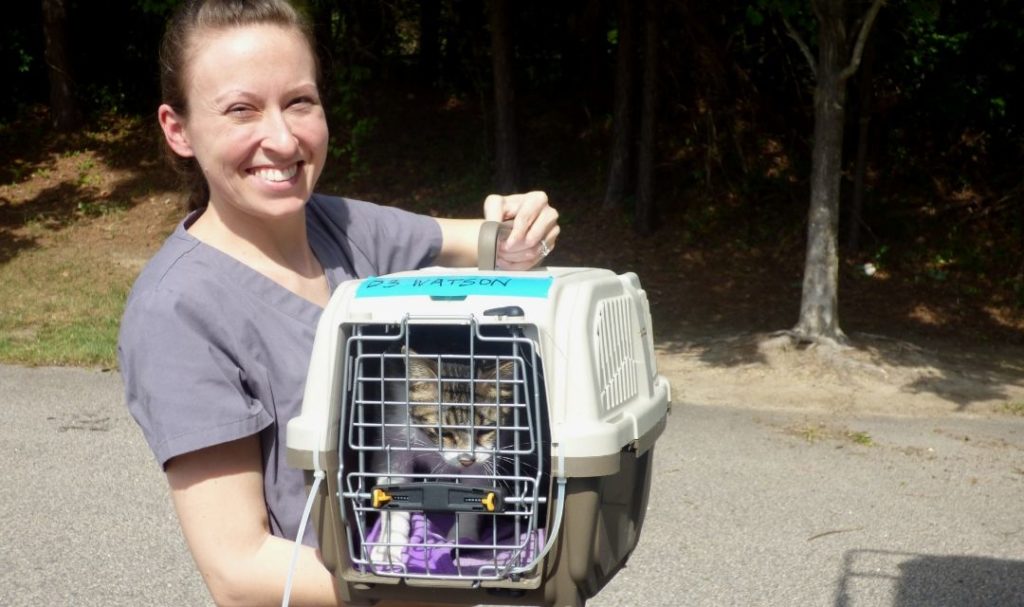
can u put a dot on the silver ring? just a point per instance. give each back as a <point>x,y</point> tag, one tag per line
<point>545,250</point>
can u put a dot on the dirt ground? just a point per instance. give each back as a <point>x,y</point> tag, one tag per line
<point>878,376</point>
<point>916,349</point>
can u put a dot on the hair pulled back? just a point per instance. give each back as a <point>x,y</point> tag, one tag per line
<point>190,20</point>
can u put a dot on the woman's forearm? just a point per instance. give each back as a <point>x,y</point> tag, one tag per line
<point>260,579</point>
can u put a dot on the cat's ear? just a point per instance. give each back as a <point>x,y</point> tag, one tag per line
<point>420,368</point>
<point>506,371</point>
<point>491,390</point>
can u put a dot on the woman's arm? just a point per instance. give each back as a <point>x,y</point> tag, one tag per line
<point>533,221</point>
<point>218,495</point>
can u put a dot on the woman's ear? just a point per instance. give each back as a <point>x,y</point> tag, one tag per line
<point>173,126</point>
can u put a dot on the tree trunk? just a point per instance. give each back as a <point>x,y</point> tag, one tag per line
<point>645,212</point>
<point>622,112</point>
<point>64,110</point>
<point>506,152</point>
<point>430,40</point>
<point>819,303</point>
<point>323,19</point>
<point>860,169</point>
<point>588,52</point>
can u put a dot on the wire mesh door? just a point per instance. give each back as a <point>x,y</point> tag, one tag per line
<point>443,466</point>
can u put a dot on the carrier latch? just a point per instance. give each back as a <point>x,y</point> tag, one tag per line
<point>438,497</point>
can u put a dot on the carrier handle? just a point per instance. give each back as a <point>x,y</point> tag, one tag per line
<point>492,233</point>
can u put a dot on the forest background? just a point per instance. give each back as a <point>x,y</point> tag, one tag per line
<point>676,137</point>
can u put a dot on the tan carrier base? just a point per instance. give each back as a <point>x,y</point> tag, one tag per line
<point>594,543</point>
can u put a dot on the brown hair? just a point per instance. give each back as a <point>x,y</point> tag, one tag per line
<point>191,18</point>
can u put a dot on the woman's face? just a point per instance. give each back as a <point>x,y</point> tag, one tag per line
<point>255,124</point>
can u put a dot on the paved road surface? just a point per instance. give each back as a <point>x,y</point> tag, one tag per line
<point>745,509</point>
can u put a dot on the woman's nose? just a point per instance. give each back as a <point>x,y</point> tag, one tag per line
<point>278,134</point>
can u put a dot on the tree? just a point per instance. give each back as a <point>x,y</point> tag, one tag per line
<point>505,140</point>
<point>430,40</point>
<point>866,93</point>
<point>622,111</point>
<point>648,120</point>
<point>835,64</point>
<point>64,110</point>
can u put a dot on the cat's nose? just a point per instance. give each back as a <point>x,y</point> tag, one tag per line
<point>467,459</point>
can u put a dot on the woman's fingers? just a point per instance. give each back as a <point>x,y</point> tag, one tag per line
<point>534,228</point>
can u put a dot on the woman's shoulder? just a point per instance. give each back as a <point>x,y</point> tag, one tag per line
<point>360,219</point>
<point>183,272</point>
<point>377,239</point>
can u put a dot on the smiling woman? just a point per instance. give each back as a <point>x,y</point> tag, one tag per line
<point>255,127</point>
<point>218,329</point>
<point>259,138</point>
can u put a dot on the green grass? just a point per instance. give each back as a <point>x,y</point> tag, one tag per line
<point>860,438</point>
<point>1014,408</point>
<point>78,342</point>
<point>61,306</point>
<point>813,433</point>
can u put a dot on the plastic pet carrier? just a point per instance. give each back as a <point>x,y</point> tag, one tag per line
<point>484,437</point>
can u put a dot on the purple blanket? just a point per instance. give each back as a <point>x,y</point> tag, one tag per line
<point>431,552</point>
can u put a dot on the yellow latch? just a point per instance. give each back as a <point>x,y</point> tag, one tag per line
<point>380,498</point>
<point>488,501</point>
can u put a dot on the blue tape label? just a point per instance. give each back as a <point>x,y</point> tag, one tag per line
<point>455,286</point>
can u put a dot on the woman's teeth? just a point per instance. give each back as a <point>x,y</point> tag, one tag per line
<point>276,175</point>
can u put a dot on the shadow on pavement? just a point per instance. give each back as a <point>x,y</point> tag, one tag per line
<point>922,580</point>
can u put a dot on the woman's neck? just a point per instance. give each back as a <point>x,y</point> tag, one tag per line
<point>278,248</point>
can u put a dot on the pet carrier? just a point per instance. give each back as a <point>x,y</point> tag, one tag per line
<point>485,437</point>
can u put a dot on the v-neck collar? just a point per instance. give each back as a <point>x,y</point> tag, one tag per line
<point>255,283</point>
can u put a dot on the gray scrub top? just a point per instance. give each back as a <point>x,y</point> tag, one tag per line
<point>213,351</point>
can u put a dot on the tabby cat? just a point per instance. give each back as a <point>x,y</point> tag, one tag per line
<point>441,433</point>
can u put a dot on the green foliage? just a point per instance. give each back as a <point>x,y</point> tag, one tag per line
<point>351,126</point>
<point>22,66</point>
<point>754,16</point>
<point>959,64</point>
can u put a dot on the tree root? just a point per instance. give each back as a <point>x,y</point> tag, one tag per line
<point>841,342</point>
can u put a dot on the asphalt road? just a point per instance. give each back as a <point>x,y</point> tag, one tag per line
<point>748,507</point>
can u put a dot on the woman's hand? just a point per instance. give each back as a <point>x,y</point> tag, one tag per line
<point>534,228</point>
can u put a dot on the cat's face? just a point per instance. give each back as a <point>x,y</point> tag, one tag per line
<point>466,434</point>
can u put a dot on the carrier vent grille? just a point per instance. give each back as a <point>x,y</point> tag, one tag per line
<point>615,356</point>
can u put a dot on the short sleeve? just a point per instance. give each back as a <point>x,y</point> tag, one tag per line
<point>376,239</point>
<point>183,385</point>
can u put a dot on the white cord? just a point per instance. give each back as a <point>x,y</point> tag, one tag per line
<point>318,476</point>
<point>552,534</point>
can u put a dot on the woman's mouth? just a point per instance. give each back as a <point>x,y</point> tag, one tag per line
<point>275,175</point>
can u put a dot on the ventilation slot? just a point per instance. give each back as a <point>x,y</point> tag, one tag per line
<point>615,357</point>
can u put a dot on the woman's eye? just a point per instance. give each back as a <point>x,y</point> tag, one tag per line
<point>302,102</point>
<point>239,110</point>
